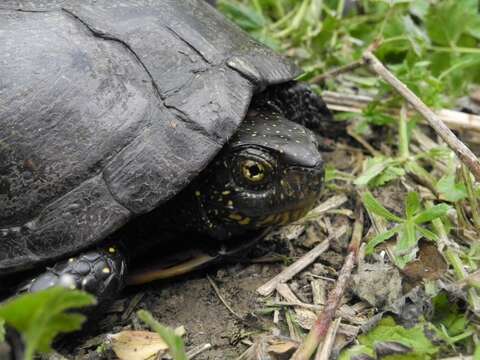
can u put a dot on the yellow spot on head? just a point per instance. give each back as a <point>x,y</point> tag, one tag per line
<point>106,270</point>
<point>226,192</point>
<point>111,250</point>
<point>197,193</point>
<point>71,260</point>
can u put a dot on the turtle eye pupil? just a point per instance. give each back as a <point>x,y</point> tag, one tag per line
<point>253,171</point>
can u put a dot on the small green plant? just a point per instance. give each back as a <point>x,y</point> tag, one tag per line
<point>39,317</point>
<point>449,323</point>
<point>409,229</point>
<point>415,344</point>
<point>174,342</point>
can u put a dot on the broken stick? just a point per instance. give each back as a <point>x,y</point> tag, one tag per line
<point>267,288</point>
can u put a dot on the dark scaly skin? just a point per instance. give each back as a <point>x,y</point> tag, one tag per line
<point>299,103</point>
<point>100,272</point>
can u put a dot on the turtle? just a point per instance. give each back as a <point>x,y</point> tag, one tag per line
<point>122,119</point>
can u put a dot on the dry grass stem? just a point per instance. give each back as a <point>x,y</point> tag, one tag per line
<point>224,302</point>
<point>344,102</point>
<point>337,71</point>
<point>267,288</point>
<point>197,350</point>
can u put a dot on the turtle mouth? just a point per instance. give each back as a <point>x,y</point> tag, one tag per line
<point>286,217</point>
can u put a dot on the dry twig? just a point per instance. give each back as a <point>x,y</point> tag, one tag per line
<point>337,71</point>
<point>267,288</point>
<point>324,352</point>
<point>197,350</point>
<point>356,103</point>
<point>224,302</point>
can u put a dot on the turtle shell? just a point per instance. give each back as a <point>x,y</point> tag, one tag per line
<point>108,109</point>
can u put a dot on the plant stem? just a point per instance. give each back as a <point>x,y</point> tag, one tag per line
<point>403,134</point>
<point>460,274</point>
<point>471,197</point>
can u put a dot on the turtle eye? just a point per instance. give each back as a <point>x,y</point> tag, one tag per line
<point>253,171</point>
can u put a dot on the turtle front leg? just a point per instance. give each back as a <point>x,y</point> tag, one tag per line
<point>99,272</point>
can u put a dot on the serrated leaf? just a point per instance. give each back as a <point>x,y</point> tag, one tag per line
<point>427,233</point>
<point>374,206</point>
<point>407,238</point>
<point>381,238</point>
<point>431,213</point>
<point>447,20</point>
<point>374,167</point>
<point>357,352</point>
<point>414,338</point>
<point>450,189</point>
<point>42,315</point>
<point>412,204</point>
<point>390,173</point>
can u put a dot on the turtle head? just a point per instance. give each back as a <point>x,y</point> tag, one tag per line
<point>269,173</point>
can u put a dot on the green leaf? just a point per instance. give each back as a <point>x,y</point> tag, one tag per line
<point>244,16</point>
<point>355,352</point>
<point>374,167</point>
<point>375,207</point>
<point>390,173</point>
<point>412,204</point>
<point>447,20</point>
<point>407,239</point>
<point>41,316</point>
<point>381,238</point>
<point>174,342</point>
<point>451,325</point>
<point>426,233</point>
<point>414,338</point>
<point>451,190</point>
<point>431,213</point>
